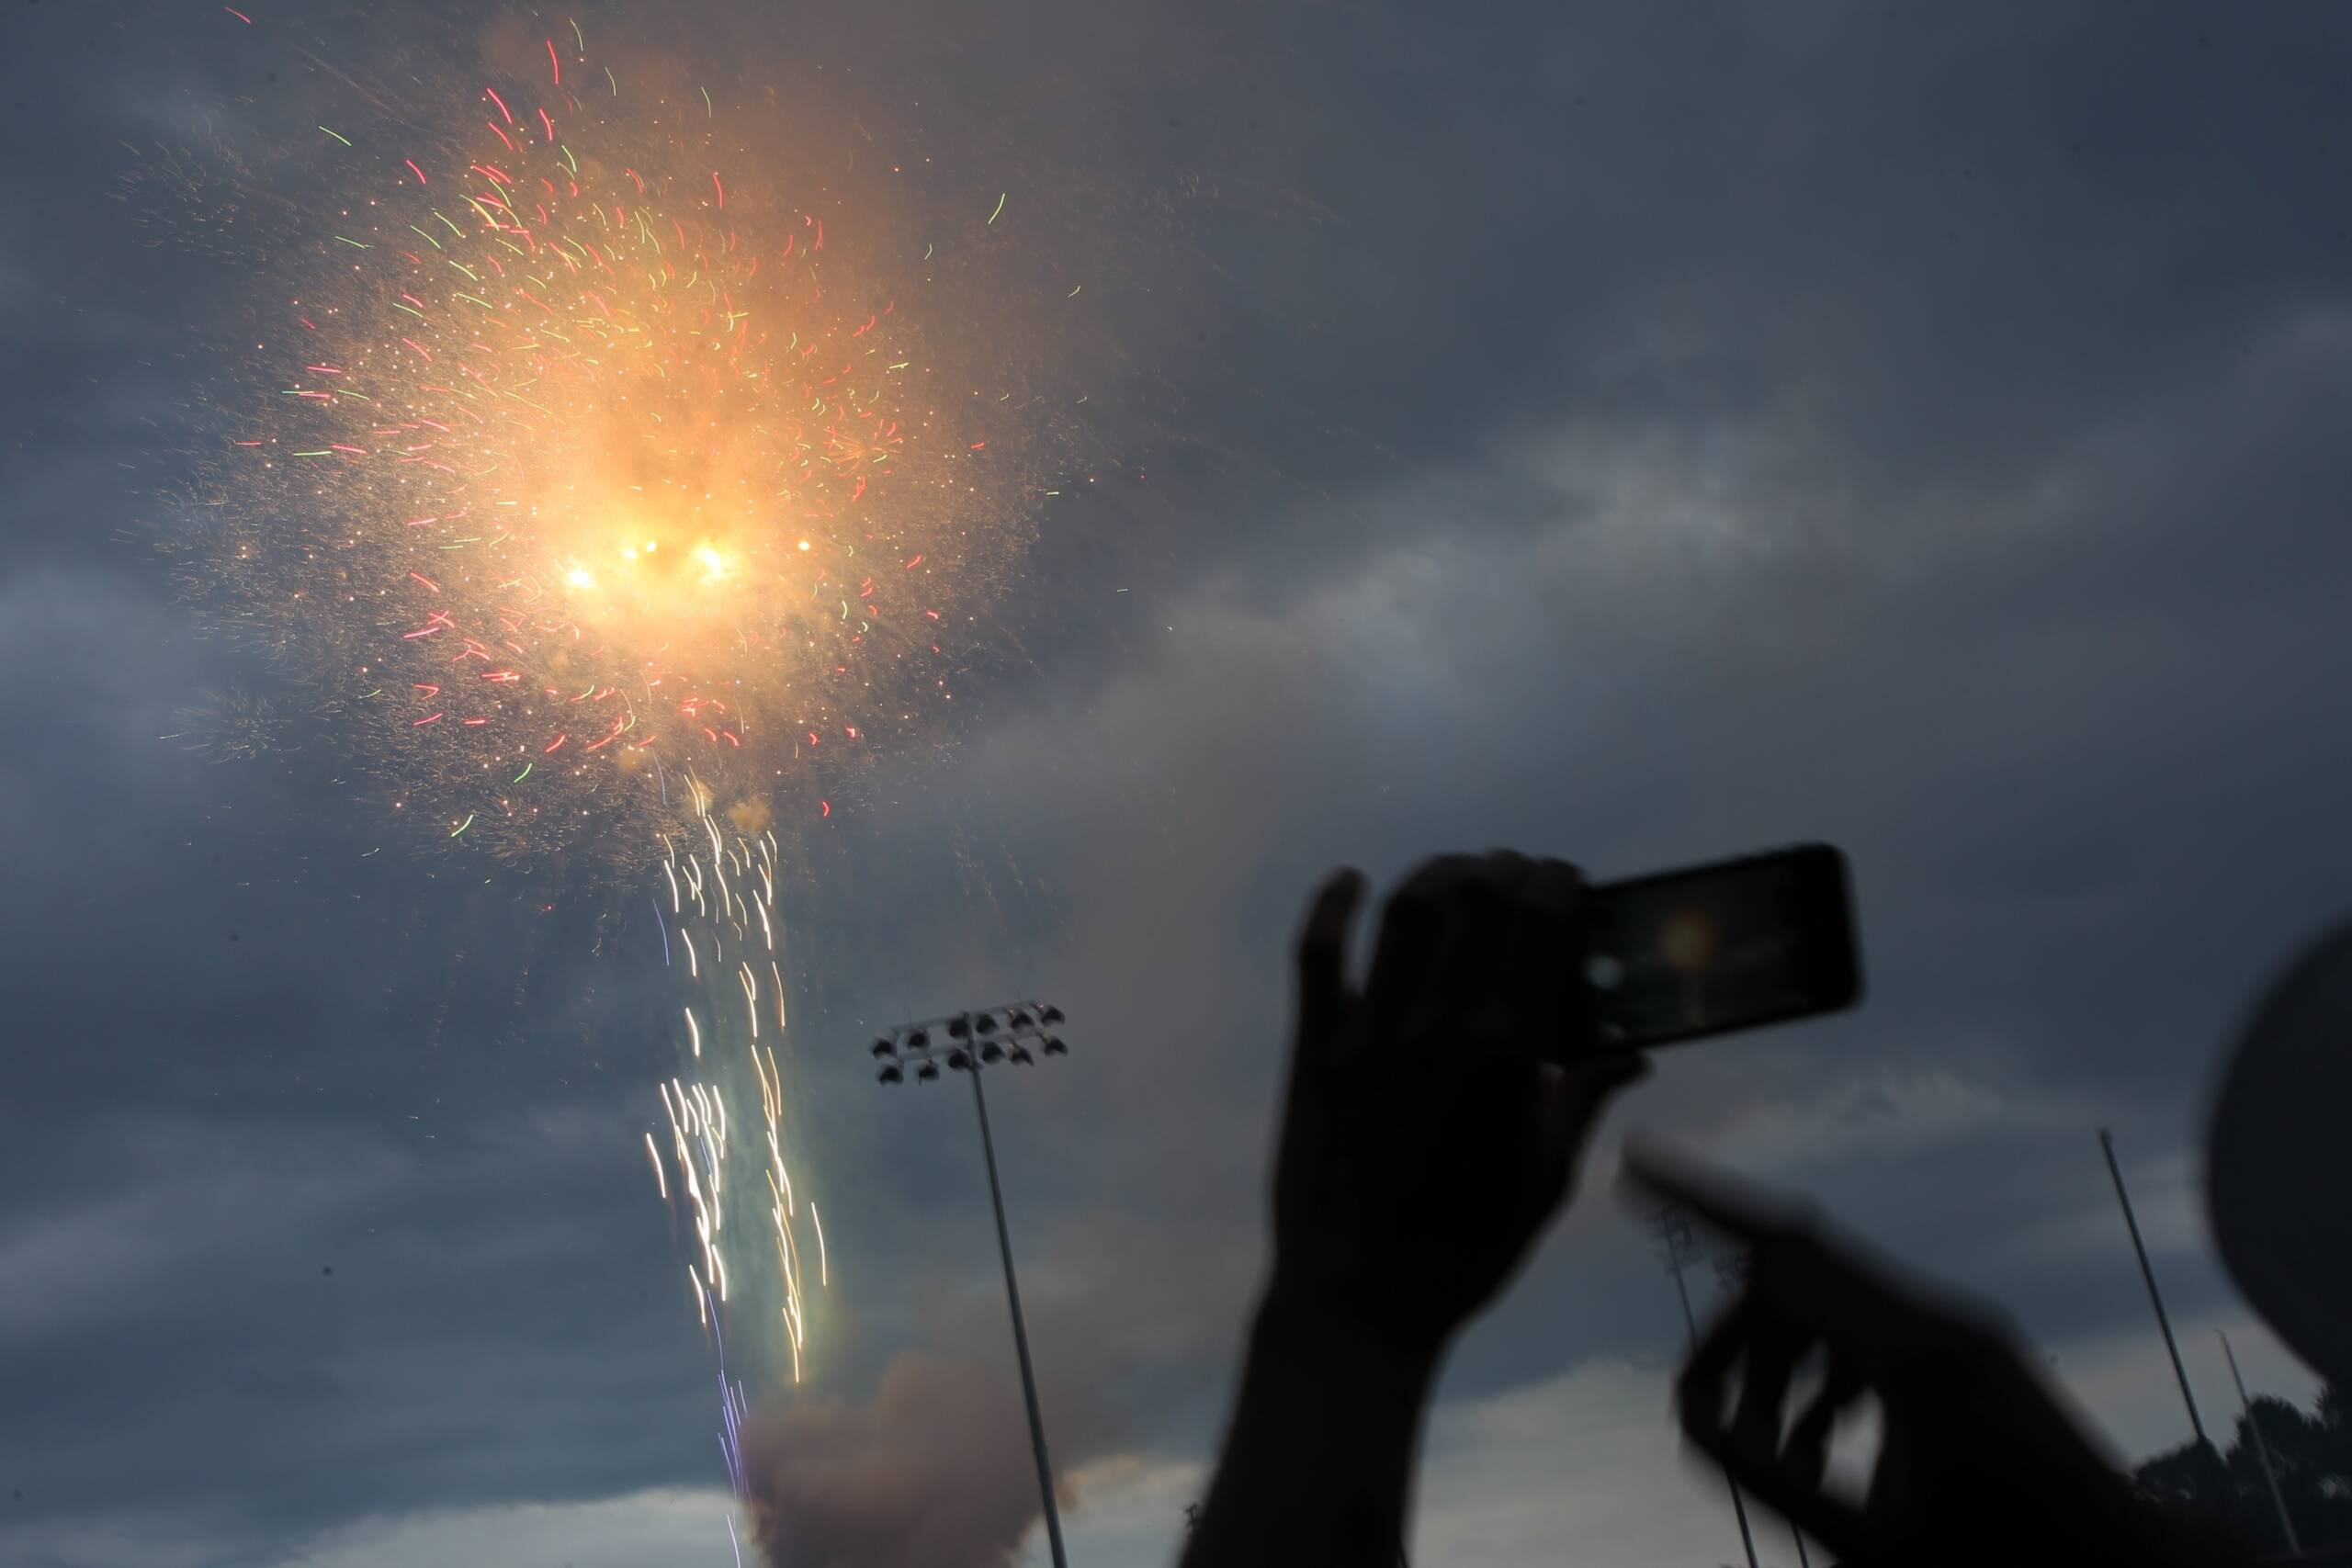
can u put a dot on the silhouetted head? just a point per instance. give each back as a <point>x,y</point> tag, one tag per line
<point>2279,1158</point>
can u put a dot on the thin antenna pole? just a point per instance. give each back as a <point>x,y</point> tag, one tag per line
<point>2197,1424</point>
<point>2261,1451</point>
<point>1675,1245</point>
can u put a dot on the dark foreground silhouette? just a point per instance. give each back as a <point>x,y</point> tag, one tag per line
<point>1425,1104</point>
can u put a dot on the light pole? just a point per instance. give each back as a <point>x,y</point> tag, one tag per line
<point>1676,1246</point>
<point>2164,1323</point>
<point>2262,1452</point>
<point>968,1041</point>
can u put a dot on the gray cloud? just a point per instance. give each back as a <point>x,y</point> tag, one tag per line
<point>1634,434</point>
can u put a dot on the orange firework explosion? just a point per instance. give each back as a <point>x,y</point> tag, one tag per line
<point>597,458</point>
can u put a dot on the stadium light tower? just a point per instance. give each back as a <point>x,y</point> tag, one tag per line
<point>1677,1247</point>
<point>966,1043</point>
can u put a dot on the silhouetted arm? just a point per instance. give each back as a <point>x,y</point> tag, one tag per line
<point>1979,1460</point>
<point>1318,1462</point>
<point>1426,1140</point>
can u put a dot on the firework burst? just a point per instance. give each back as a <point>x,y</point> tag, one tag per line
<point>592,448</point>
<point>611,489</point>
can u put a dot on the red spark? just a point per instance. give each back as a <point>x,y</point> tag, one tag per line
<point>239,15</point>
<point>721,188</point>
<point>491,93</point>
<point>554,64</point>
<point>414,170</point>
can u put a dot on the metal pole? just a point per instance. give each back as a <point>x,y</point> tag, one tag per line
<point>1738,1504</point>
<point>2107,1144</point>
<point>1020,1333</point>
<point>2261,1451</point>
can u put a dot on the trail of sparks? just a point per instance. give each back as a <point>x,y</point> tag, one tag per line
<point>696,1110</point>
<point>576,453</point>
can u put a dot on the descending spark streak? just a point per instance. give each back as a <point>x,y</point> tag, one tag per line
<point>655,1155</point>
<point>695,1029</point>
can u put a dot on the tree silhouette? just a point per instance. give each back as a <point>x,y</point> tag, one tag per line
<point>2311,1453</point>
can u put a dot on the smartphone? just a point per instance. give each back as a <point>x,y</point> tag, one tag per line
<point>1714,948</point>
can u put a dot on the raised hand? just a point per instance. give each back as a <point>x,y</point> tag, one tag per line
<point>1429,1132</point>
<point>1978,1462</point>
<point>1426,1137</point>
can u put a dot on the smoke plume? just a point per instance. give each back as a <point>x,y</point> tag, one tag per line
<point>933,1472</point>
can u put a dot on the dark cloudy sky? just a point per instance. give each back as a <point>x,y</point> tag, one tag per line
<point>1631,433</point>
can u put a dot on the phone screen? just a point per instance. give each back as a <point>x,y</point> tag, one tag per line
<point>1721,947</point>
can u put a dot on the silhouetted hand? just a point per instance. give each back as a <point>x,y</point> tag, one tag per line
<point>1428,1134</point>
<point>1425,1139</point>
<point>1978,1462</point>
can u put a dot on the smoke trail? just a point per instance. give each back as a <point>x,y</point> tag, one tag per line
<point>933,1472</point>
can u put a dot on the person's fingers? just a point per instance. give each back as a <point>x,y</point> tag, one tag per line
<point>1408,960</point>
<point>1661,1174</point>
<point>1809,1279</point>
<point>1871,1317</point>
<point>1540,976</point>
<point>1805,1456</point>
<point>1896,1478</point>
<point>1834,1523</point>
<point>1772,1349</point>
<point>1323,994</point>
<point>1699,1391</point>
<point>1581,1093</point>
<point>1788,1480</point>
<point>1567,941</point>
<point>1491,964</point>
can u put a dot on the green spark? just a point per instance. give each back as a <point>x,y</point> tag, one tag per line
<point>338,135</point>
